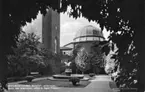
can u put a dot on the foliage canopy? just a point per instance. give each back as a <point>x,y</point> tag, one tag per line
<point>123,18</point>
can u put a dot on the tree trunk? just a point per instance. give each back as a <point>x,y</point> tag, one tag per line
<point>3,62</point>
<point>138,24</point>
<point>141,67</point>
<point>141,59</point>
<point>140,46</point>
<point>141,36</point>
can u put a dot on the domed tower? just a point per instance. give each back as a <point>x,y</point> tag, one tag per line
<point>87,35</point>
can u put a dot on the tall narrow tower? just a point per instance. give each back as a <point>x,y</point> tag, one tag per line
<point>51,31</point>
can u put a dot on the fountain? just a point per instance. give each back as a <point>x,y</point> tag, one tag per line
<point>68,74</point>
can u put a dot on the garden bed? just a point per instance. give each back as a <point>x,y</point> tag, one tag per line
<point>15,79</point>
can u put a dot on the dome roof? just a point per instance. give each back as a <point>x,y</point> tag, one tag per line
<point>90,33</point>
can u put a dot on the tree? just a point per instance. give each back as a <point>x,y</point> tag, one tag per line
<point>87,61</point>
<point>81,59</point>
<point>11,19</point>
<point>124,18</point>
<point>72,58</point>
<point>51,60</point>
<point>97,57</point>
<point>26,56</point>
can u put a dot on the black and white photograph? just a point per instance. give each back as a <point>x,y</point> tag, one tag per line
<point>72,46</point>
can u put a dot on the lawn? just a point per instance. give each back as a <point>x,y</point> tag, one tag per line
<point>59,86</point>
<point>81,84</point>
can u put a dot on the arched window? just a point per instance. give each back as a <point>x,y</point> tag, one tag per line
<point>55,45</point>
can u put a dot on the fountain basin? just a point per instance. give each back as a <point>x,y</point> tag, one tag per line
<point>68,72</point>
<point>60,76</point>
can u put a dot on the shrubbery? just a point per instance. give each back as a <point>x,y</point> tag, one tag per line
<point>29,57</point>
<point>74,80</point>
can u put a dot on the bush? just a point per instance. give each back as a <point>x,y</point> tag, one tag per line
<point>73,67</point>
<point>74,80</point>
<point>91,74</point>
<point>29,78</point>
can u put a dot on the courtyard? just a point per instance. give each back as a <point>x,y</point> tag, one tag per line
<point>99,83</point>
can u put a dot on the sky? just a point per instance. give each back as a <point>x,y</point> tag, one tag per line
<point>68,27</point>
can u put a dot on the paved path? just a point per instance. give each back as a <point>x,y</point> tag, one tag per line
<point>101,81</point>
<point>99,84</point>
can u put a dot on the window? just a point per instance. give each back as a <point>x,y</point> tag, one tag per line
<point>77,40</point>
<point>96,38</point>
<point>89,38</point>
<point>56,27</point>
<point>55,45</point>
<point>80,39</point>
<point>101,39</point>
<point>83,39</point>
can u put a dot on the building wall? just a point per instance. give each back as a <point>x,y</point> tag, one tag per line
<point>56,31</point>
<point>51,31</point>
<point>86,45</point>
